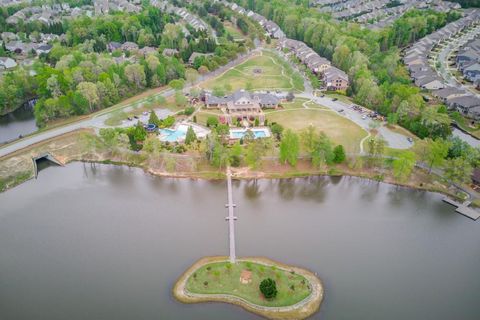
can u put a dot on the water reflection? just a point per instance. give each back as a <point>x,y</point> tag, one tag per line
<point>113,248</point>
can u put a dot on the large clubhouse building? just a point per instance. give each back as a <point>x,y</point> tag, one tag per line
<point>242,105</point>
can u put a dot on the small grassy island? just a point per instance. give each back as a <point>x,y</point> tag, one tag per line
<point>296,293</point>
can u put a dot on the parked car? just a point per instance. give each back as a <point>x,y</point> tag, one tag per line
<point>364,117</point>
<point>341,110</point>
<point>135,116</point>
<point>129,118</point>
<point>410,140</point>
<point>145,113</point>
<point>334,99</point>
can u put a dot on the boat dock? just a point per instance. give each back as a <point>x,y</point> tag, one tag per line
<point>463,208</point>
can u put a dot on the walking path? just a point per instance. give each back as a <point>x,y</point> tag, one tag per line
<point>231,218</point>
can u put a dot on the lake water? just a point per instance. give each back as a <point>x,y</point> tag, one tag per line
<point>105,242</point>
<point>16,123</point>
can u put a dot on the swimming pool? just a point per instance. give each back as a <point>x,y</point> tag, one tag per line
<point>180,132</point>
<point>257,133</point>
<point>171,135</point>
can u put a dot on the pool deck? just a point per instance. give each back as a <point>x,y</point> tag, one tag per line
<point>463,208</point>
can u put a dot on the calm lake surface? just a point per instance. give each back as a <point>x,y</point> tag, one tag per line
<point>18,122</point>
<point>106,242</point>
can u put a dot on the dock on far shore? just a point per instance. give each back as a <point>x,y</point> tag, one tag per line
<point>463,208</point>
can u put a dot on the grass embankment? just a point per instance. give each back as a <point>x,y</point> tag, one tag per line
<point>261,72</point>
<point>224,278</point>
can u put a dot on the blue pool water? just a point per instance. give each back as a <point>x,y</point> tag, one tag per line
<point>172,135</point>
<point>241,134</point>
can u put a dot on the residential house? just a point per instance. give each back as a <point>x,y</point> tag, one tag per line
<point>169,52</point>
<point>7,63</point>
<point>112,46</point>
<point>335,79</point>
<point>430,82</point>
<point>468,105</point>
<point>129,46</point>
<point>448,93</point>
<point>145,51</point>
<point>472,72</point>
<point>43,48</point>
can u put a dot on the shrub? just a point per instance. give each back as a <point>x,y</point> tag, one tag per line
<point>268,288</point>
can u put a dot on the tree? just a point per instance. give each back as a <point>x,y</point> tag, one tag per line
<point>236,154</point>
<point>253,153</point>
<point>268,288</point>
<point>89,91</point>
<point>277,130</point>
<point>289,148</point>
<point>109,137</point>
<point>154,119</point>
<point>191,136</point>
<point>458,170</point>
<point>136,75</point>
<point>177,84</point>
<point>375,150</point>
<point>180,99</point>
<point>290,96</point>
<point>212,121</point>
<point>438,151</point>
<point>403,165</point>
<point>321,151</point>
<point>339,154</point>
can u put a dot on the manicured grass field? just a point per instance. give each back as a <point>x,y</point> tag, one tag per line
<point>339,129</point>
<point>221,279</point>
<point>202,116</point>
<point>274,74</point>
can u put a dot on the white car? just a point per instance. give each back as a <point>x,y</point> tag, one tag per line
<point>364,117</point>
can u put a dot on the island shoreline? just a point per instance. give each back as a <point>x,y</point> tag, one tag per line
<point>300,310</point>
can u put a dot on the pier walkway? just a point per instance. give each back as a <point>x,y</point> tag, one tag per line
<point>231,217</point>
<point>463,208</point>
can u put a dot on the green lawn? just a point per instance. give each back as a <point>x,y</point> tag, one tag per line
<point>270,77</point>
<point>233,30</point>
<point>339,129</point>
<point>222,280</point>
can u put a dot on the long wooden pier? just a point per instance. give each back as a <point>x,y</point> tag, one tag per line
<point>463,208</point>
<point>231,217</point>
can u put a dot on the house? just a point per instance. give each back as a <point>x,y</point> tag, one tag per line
<point>9,36</point>
<point>448,93</point>
<point>43,48</point>
<point>335,79</point>
<point>472,72</point>
<point>129,46</point>
<point>243,101</point>
<point>7,63</point>
<point>169,52</point>
<point>16,46</point>
<point>145,51</point>
<point>430,82</point>
<point>469,105</point>
<point>112,46</point>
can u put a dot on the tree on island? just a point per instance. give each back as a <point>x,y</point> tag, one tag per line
<point>268,288</point>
